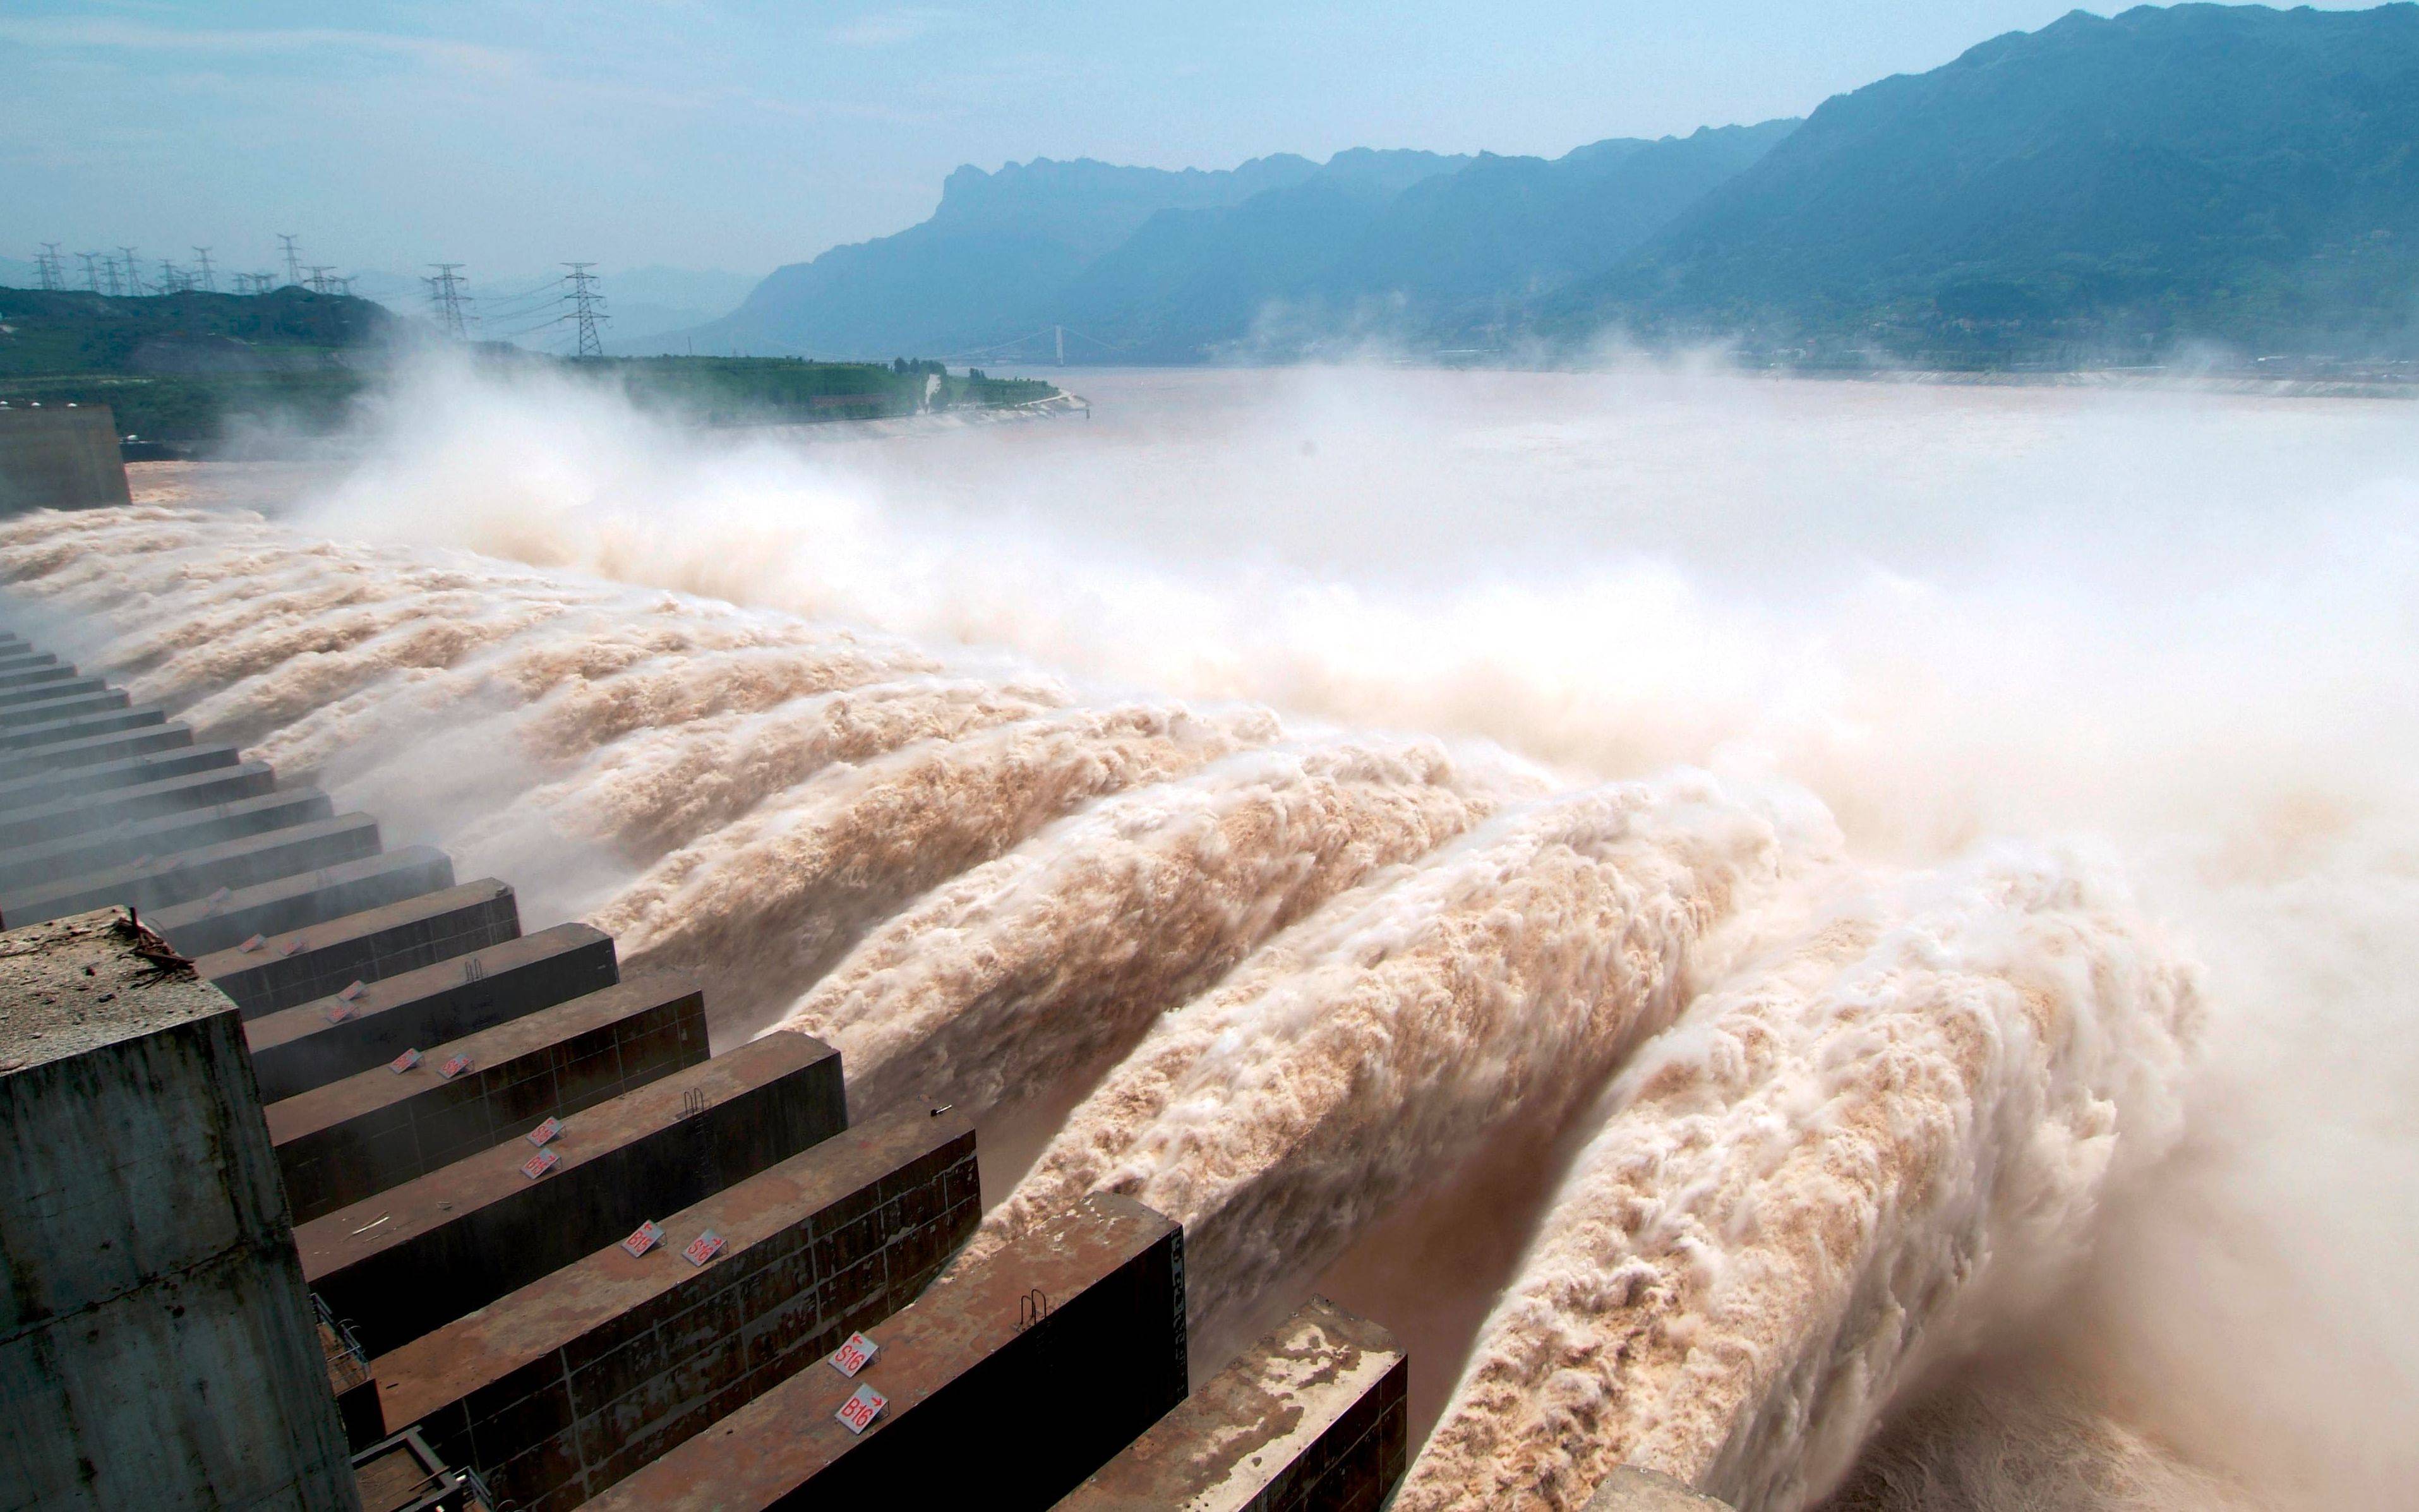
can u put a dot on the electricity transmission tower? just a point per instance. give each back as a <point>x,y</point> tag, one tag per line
<point>48,265</point>
<point>317,282</point>
<point>92,269</point>
<point>171,280</point>
<point>586,301</point>
<point>293,266</point>
<point>445,299</point>
<point>133,273</point>
<point>210,281</point>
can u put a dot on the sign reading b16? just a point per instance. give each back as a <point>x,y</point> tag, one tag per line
<point>863,1406</point>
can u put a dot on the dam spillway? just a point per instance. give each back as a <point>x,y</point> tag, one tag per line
<point>482,1225</point>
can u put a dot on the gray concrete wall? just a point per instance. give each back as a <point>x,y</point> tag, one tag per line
<point>59,458</point>
<point>157,1348</point>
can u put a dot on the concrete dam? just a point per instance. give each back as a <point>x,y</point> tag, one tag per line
<point>334,1188</point>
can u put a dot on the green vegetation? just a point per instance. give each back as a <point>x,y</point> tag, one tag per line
<point>738,391</point>
<point>189,369</point>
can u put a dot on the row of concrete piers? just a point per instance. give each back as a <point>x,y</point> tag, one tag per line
<point>329,1187</point>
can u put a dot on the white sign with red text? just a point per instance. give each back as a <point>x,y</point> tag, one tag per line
<point>854,1356</point>
<point>863,1406</point>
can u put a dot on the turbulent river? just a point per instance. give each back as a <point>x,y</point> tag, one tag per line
<point>1846,943</point>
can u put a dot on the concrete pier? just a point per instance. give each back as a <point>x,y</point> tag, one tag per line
<point>1007,1383</point>
<point>1313,1418</point>
<point>32,789</point>
<point>66,703</point>
<point>64,728</point>
<point>91,750</point>
<point>17,688</point>
<point>83,813</point>
<point>563,1388</point>
<point>185,875</point>
<point>170,834</point>
<point>22,657</point>
<point>353,1138</point>
<point>370,946</point>
<point>157,1348</point>
<point>416,1257</point>
<point>313,1043</point>
<point>300,901</point>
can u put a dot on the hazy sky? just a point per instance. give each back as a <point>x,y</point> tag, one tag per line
<point>509,134</point>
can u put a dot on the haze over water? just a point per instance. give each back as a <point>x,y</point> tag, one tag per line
<point>1463,838</point>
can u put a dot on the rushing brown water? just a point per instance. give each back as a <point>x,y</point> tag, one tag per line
<point>1933,1016</point>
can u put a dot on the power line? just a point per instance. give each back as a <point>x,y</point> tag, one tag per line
<point>209,280</point>
<point>586,301</point>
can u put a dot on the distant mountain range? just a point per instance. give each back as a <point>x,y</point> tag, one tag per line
<point>2093,190</point>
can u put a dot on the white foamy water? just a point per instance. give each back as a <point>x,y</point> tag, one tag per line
<point>1832,914</point>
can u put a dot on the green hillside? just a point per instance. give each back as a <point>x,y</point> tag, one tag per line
<point>186,370</point>
<point>2096,189</point>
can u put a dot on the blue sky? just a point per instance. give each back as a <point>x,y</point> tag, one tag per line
<point>509,134</point>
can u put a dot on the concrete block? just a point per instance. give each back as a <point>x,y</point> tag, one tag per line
<point>556,1392</point>
<point>20,657</point>
<point>82,813</point>
<point>195,874</point>
<point>300,901</point>
<point>58,457</point>
<point>1629,1490</point>
<point>61,729</point>
<point>353,1138</point>
<point>313,1043</point>
<point>65,705</point>
<point>1008,1381</point>
<point>26,790</point>
<point>169,834</point>
<point>42,685</point>
<point>44,672</point>
<point>370,946</point>
<point>157,1348</point>
<point>414,1259</point>
<point>91,750</point>
<point>1313,1418</point>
